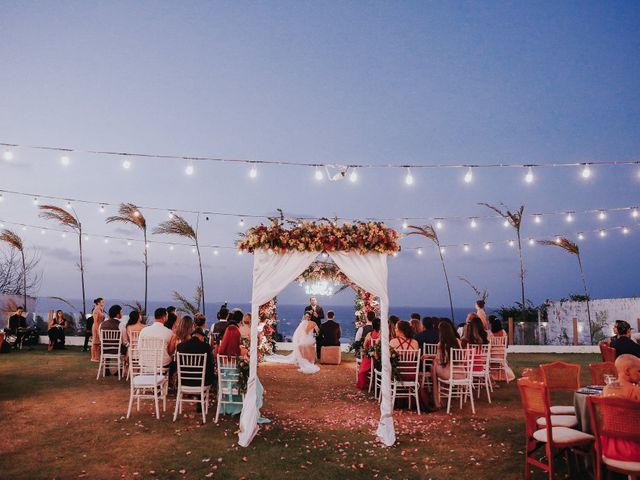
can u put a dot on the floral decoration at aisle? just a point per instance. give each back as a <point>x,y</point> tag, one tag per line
<point>365,303</point>
<point>268,317</point>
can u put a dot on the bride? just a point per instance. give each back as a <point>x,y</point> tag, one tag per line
<point>304,347</point>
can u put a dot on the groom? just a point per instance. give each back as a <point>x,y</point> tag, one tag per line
<point>317,314</point>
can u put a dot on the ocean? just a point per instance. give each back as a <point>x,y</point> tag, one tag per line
<point>288,315</point>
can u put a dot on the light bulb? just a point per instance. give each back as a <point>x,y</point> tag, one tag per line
<point>35,201</point>
<point>419,251</point>
<point>602,233</point>
<point>405,225</point>
<point>442,249</point>
<point>146,246</point>
<point>215,252</point>
<point>580,236</point>
<point>505,224</point>
<point>529,176</point>
<point>408,179</point>
<point>126,164</point>
<point>189,170</point>
<point>253,173</point>
<point>193,250</point>
<point>511,243</point>
<point>473,223</point>
<point>24,227</point>
<point>569,218</point>
<point>171,247</point>
<point>241,222</point>
<point>64,235</point>
<point>7,155</point>
<point>586,171</point>
<point>487,246</point>
<point>106,240</point>
<point>42,232</point>
<point>465,247</point>
<point>101,208</point>
<point>86,238</point>
<point>532,242</point>
<point>468,177</point>
<point>353,176</point>
<point>602,215</point>
<point>239,252</point>
<point>136,213</point>
<point>69,206</point>
<point>439,225</point>
<point>625,230</point>
<point>537,218</point>
<point>319,175</point>
<point>65,161</point>
<point>634,213</point>
<point>557,240</point>
<point>171,215</point>
<point>128,243</point>
<point>1,197</point>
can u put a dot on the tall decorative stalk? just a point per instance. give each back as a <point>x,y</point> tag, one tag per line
<point>177,225</point>
<point>429,232</point>
<point>515,220</point>
<point>16,242</point>
<point>572,248</point>
<point>129,213</point>
<point>67,220</point>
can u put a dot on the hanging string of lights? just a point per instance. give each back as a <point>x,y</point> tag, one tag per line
<point>439,221</point>
<point>342,170</point>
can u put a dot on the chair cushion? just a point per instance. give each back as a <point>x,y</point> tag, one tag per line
<point>564,436</point>
<point>563,410</point>
<point>147,380</point>
<point>330,355</point>
<point>621,464</point>
<point>569,421</point>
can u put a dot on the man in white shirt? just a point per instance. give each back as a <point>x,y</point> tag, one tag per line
<point>157,330</point>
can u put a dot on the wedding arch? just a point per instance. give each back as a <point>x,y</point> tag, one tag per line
<point>281,254</point>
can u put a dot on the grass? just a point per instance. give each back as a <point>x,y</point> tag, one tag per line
<point>62,423</point>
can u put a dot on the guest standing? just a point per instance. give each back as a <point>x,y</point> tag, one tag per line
<point>481,313</point>
<point>370,341</point>
<point>363,331</point>
<point>97,318</point>
<point>245,326</point>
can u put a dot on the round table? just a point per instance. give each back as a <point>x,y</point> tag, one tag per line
<point>582,410</point>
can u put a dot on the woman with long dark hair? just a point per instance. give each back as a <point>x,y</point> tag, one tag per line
<point>440,368</point>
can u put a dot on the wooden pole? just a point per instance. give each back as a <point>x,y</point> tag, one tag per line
<point>510,321</point>
<point>575,331</point>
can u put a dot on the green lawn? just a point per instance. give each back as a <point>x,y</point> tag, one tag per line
<point>62,423</point>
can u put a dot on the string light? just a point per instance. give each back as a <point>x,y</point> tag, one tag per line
<point>580,236</point>
<point>106,240</point>
<point>319,175</point>
<point>146,246</point>
<point>1,197</point>
<point>171,215</point>
<point>136,213</point>
<point>253,173</point>
<point>586,171</point>
<point>128,243</point>
<point>86,238</point>
<point>529,176</point>
<point>65,161</point>
<point>24,228</point>
<point>602,233</point>
<point>408,179</point>
<point>442,250</point>
<point>634,213</point>
<point>557,240</point>
<point>569,218</point>
<point>241,222</point>
<point>625,230</point>
<point>468,177</point>
<point>532,242</point>
<point>487,246</point>
<point>101,208</point>
<point>193,250</point>
<point>537,218</point>
<point>64,235</point>
<point>405,225</point>
<point>189,169</point>
<point>505,224</point>
<point>7,155</point>
<point>35,201</point>
<point>465,247</point>
<point>68,205</point>
<point>439,224</point>
<point>126,164</point>
<point>602,215</point>
<point>42,232</point>
<point>473,223</point>
<point>511,243</point>
<point>419,251</point>
<point>215,251</point>
<point>171,247</point>
<point>353,176</point>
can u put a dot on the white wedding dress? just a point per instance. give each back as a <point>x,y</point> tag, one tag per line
<point>301,340</point>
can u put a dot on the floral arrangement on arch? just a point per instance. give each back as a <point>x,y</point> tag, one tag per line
<point>268,320</point>
<point>365,302</point>
<point>325,236</point>
<point>324,271</point>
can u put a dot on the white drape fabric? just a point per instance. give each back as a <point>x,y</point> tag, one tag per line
<point>369,272</point>
<point>271,274</point>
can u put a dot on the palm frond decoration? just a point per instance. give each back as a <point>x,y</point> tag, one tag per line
<point>481,294</point>
<point>14,241</point>
<point>189,306</point>
<point>129,213</point>
<point>429,232</point>
<point>515,220</point>
<point>572,248</point>
<point>177,225</point>
<point>71,221</point>
<point>135,305</point>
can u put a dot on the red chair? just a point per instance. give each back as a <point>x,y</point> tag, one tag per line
<point>561,377</point>
<point>599,370</point>
<point>615,419</point>
<point>608,353</point>
<point>535,403</point>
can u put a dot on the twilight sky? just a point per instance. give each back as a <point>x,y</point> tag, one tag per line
<point>345,82</point>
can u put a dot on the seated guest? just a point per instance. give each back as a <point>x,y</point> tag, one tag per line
<point>157,331</point>
<point>415,323</point>
<point>57,325</point>
<point>182,330</point>
<point>172,318</point>
<point>245,326</point>
<point>231,343</point>
<point>221,324</point>
<point>17,323</point>
<point>134,324</point>
<point>195,345</point>
<point>363,331</point>
<point>481,314</point>
<point>403,339</point>
<point>370,341</point>
<point>627,386</point>
<point>199,322</point>
<point>475,334</point>
<point>329,332</point>
<point>496,327</point>
<point>623,344</point>
<point>393,320</point>
<point>441,367</point>
<point>465,327</point>
<point>429,333</point>
<point>448,320</point>
<point>112,323</point>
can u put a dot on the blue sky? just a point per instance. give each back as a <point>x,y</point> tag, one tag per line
<point>346,82</point>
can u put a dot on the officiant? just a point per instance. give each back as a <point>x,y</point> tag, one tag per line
<point>317,314</point>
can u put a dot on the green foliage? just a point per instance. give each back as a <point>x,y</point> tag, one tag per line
<point>515,311</point>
